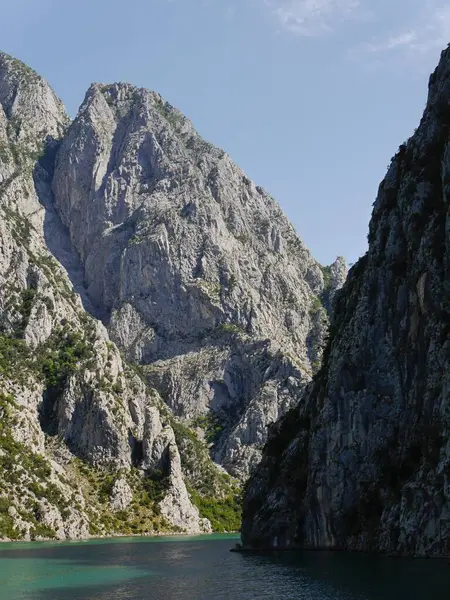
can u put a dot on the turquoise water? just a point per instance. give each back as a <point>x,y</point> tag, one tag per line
<point>202,568</point>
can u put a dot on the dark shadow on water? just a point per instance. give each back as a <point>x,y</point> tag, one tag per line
<point>371,576</point>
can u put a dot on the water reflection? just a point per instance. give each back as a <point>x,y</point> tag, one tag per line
<point>367,577</point>
<point>193,570</point>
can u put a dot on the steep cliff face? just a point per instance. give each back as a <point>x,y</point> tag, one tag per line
<point>125,239</point>
<point>363,462</point>
<point>86,447</point>
<point>173,235</point>
<point>191,267</point>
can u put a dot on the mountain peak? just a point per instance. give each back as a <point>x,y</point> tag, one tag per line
<point>32,109</point>
<point>196,273</point>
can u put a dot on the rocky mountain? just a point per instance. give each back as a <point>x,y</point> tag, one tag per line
<point>363,462</point>
<point>157,311</point>
<point>86,446</point>
<point>196,272</point>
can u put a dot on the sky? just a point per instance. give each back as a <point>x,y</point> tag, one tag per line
<point>310,97</point>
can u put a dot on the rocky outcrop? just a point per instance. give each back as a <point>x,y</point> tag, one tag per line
<point>81,451</point>
<point>334,278</point>
<point>176,505</point>
<point>192,268</point>
<point>121,495</point>
<point>157,313</point>
<point>363,462</point>
<point>231,391</point>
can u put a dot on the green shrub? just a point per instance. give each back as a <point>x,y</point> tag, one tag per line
<point>230,328</point>
<point>316,305</point>
<point>27,298</point>
<point>62,355</point>
<point>15,357</point>
<point>211,423</point>
<point>4,153</point>
<point>223,513</point>
<point>42,531</point>
<point>7,528</point>
<point>326,272</point>
<point>4,505</point>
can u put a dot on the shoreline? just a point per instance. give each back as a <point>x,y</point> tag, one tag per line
<point>118,536</point>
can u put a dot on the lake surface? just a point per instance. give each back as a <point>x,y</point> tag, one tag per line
<point>202,568</point>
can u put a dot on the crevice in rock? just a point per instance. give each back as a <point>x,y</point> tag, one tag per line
<point>57,236</point>
<point>48,419</point>
<point>137,450</point>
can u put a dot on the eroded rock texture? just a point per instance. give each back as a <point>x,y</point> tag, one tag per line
<point>363,462</point>
<point>191,267</point>
<point>75,422</point>
<point>157,313</point>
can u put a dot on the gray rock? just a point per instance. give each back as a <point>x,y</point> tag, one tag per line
<point>121,495</point>
<point>98,408</point>
<point>176,505</point>
<point>127,230</point>
<point>187,261</point>
<point>362,462</point>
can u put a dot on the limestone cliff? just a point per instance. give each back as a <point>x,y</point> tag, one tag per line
<point>86,447</point>
<point>363,462</point>
<point>194,270</point>
<point>157,313</point>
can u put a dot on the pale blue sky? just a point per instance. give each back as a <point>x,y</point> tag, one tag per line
<point>310,97</point>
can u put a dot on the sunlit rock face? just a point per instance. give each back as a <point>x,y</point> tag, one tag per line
<point>72,413</point>
<point>126,238</point>
<point>196,272</point>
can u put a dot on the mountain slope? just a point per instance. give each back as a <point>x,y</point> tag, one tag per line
<point>363,462</point>
<point>157,311</point>
<point>194,270</point>
<point>86,447</point>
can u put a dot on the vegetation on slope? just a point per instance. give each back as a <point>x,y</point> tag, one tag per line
<point>215,493</point>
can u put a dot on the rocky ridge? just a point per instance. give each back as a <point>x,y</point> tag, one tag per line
<point>363,462</point>
<point>191,267</point>
<point>86,446</point>
<point>156,309</point>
